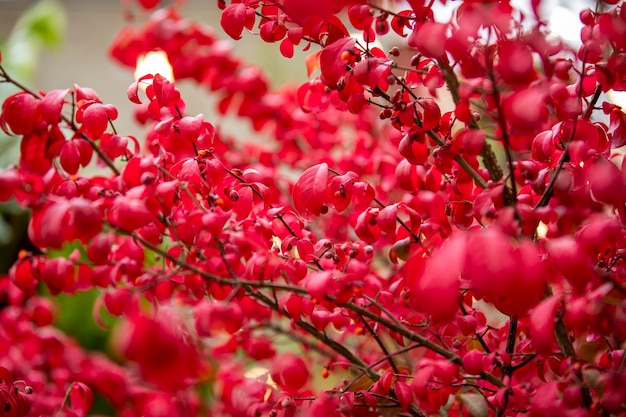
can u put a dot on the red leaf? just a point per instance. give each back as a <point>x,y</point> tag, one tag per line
<point>332,65</point>
<point>114,146</point>
<point>309,191</point>
<point>432,114</point>
<point>473,361</point>
<point>211,318</point>
<point>272,31</point>
<point>95,120</point>
<point>286,48</point>
<point>164,91</point>
<point>436,291</point>
<point>20,112</point>
<point>306,12</point>
<point>33,153</point>
<point>9,182</point>
<point>605,181</point>
<point>130,213</point>
<point>85,220</point>
<point>429,38</point>
<point>542,321</point>
<point>161,350</point>
<point>371,71</point>
<point>6,376</point>
<point>52,104</point>
<point>133,93</point>
<point>243,205</point>
<point>360,16</point>
<point>149,4</point>
<point>289,372</point>
<point>366,227</point>
<point>86,93</point>
<point>190,127</point>
<point>70,157</point>
<point>404,395</point>
<point>387,219</point>
<point>516,63</point>
<point>234,19</point>
<point>400,21</point>
<point>318,284</point>
<point>389,215</point>
<point>81,398</point>
<point>369,399</point>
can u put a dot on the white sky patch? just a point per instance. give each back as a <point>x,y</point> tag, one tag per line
<point>566,24</point>
<point>154,62</point>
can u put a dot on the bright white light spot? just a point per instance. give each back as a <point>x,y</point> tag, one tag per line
<point>542,230</point>
<point>277,244</point>
<point>617,98</point>
<point>154,62</point>
<point>566,24</point>
<point>361,41</point>
<point>263,375</point>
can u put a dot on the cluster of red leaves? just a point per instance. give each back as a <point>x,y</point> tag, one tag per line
<point>401,257</point>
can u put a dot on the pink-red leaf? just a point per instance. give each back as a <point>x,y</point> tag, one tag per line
<point>52,104</point>
<point>436,291</point>
<point>81,398</point>
<point>20,112</point>
<point>309,191</point>
<point>234,19</point>
<point>542,322</point>
<point>332,65</point>
<point>404,395</point>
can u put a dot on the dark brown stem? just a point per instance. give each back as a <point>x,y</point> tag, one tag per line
<point>489,157</point>
<point>381,345</point>
<point>414,337</point>
<point>462,162</point>
<point>504,131</point>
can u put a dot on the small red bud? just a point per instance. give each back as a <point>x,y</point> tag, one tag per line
<point>587,17</point>
<point>382,26</point>
<point>147,178</point>
<point>404,294</point>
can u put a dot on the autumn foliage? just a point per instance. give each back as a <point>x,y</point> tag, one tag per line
<point>436,229</point>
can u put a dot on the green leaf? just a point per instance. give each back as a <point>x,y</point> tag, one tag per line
<point>43,23</point>
<point>75,319</point>
<point>41,26</point>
